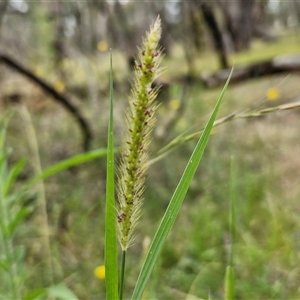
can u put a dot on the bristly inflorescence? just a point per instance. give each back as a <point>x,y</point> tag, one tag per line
<point>139,121</point>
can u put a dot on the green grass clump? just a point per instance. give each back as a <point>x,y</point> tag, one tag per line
<point>11,214</point>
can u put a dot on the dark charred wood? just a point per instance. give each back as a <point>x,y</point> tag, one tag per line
<point>58,97</point>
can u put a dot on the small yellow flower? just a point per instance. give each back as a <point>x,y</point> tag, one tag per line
<point>59,85</point>
<point>175,104</point>
<point>273,93</point>
<point>102,46</point>
<point>99,272</point>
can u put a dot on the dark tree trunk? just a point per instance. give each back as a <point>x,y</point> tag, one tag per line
<point>195,26</point>
<point>212,24</point>
<point>3,7</point>
<point>229,23</point>
<point>245,24</point>
<point>239,22</point>
<point>58,43</point>
<point>126,32</point>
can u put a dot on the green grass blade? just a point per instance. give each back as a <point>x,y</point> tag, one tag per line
<point>67,163</point>
<point>229,275</point>
<point>13,174</point>
<point>175,203</point>
<point>232,218</point>
<point>111,254</point>
<point>229,283</point>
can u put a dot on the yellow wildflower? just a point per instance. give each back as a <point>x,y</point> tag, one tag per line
<point>99,272</point>
<point>175,104</point>
<point>102,46</point>
<point>273,93</point>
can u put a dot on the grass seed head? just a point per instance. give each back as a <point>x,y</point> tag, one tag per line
<point>139,121</point>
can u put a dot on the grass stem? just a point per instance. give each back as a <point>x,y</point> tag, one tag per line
<point>231,117</point>
<point>37,166</point>
<point>6,241</point>
<point>122,274</point>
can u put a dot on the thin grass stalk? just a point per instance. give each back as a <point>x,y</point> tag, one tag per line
<point>229,283</point>
<point>231,117</point>
<point>232,216</point>
<point>111,254</point>
<point>122,274</point>
<point>229,275</point>
<point>37,166</point>
<point>5,217</point>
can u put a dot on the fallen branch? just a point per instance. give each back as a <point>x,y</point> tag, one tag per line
<point>279,64</point>
<point>86,131</point>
